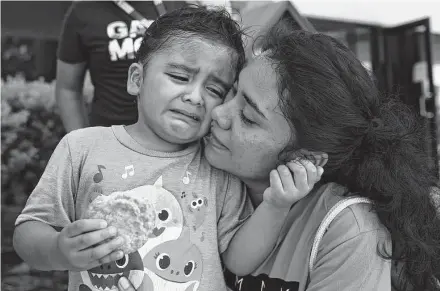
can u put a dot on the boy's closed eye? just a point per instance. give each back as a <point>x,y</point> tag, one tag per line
<point>217,91</point>
<point>178,77</point>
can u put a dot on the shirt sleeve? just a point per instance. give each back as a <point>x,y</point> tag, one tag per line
<point>70,47</point>
<point>236,208</point>
<point>52,200</point>
<point>346,263</point>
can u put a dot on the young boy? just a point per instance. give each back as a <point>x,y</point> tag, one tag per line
<point>187,63</point>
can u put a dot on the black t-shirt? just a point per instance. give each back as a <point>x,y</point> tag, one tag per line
<point>105,37</point>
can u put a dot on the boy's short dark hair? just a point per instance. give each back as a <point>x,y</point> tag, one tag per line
<point>193,21</point>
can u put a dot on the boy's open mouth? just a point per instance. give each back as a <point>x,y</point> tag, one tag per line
<point>185,113</point>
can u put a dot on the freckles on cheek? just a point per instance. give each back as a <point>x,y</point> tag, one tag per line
<point>253,157</point>
<point>253,147</point>
<point>256,142</point>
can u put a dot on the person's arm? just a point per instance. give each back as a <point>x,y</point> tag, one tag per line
<point>50,206</point>
<point>81,245</point>
<point>47,234</point>
<point>69,95</point>
<point>253,242</point>
<point>71,69</point>
<point>35,243</point>
<point>257,237</point>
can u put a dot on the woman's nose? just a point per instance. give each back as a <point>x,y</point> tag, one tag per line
<point>222,115</point>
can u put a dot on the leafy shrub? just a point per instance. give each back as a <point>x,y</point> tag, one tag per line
<point>30,130</point>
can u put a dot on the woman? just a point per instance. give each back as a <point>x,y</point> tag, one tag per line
<point>307,91</point>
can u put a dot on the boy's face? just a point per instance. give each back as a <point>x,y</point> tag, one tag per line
<point>180,87</point>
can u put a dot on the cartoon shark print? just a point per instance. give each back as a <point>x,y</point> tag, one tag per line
<point>169,225</point>
<point>106,276</point>
<point>198,206</point>
<point>174,266</point>
<point>169,220</point>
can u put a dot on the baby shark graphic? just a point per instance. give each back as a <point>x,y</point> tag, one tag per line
<point>168,227</point>
<point>175,265</point>
<point>106,276</point>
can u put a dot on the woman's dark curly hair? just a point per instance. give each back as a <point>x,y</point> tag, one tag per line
<point>375,144</point>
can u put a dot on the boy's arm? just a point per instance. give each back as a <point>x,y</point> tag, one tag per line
<point>36,243</point>
<point>256,238</point>
<point>253,242</point>
<point>81,245</point>
<point>50,206</point>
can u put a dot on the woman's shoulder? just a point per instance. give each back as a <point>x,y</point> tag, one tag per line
<point>353,220</point>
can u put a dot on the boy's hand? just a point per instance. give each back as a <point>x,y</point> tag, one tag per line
<point>286,189</point>
<point>80,243</point>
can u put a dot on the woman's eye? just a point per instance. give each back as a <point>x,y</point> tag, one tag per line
<point>245,119</point>
<point>178,77</point>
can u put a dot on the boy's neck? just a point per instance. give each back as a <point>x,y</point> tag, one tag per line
<point>144,136</point>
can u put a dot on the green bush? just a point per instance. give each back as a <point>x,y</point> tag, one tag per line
<point>30,130</point>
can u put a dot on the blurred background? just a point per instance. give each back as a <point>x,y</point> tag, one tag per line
<point>399,42</point>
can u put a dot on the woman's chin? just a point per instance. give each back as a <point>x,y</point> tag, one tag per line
<point>215,156</point>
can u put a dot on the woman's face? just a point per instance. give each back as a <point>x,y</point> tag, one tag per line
<point>248,130</point>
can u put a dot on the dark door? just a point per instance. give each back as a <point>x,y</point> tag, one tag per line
<point>407,71</point>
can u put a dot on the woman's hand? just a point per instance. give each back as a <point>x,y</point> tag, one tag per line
<point>125,285</point>
<point>293,181</point>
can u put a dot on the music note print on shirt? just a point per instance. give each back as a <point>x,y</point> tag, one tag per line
<point>185,180</point>
<point>98,177</point>
<point>129,171</point>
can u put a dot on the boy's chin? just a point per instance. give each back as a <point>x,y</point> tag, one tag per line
<point>184,136</point>
<point>183,140</point>
<point>178,138</point>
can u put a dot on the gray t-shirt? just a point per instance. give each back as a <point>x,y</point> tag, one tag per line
<point>198,208</point>
<point>347,258</point>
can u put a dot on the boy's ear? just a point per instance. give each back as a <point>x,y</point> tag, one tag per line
<point>135,78</point>
<point>317,158</point>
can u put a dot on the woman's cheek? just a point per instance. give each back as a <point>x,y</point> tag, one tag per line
<point>252,149</point>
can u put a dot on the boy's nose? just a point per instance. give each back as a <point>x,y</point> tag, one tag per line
<point>194,97</point>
